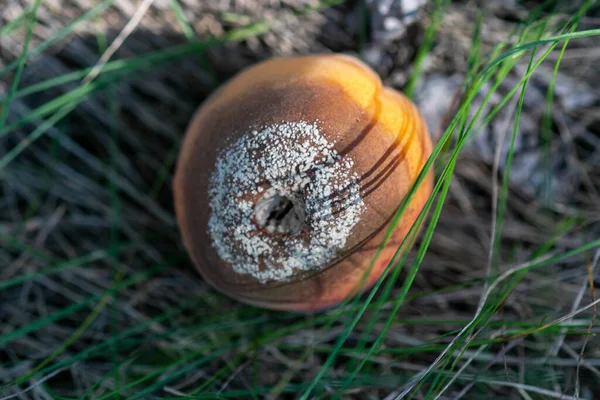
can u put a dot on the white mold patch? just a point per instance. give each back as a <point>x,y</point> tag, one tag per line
<point>294,162</point>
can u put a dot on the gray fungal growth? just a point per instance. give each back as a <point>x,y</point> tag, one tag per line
<point>273,194</point>
<point>279,214</point>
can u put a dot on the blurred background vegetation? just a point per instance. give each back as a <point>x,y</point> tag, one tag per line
<point>99,300</point>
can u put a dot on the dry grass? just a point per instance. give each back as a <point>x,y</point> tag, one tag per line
<point>98,298</point>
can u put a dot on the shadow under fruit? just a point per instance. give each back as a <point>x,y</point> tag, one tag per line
<point>289,176</point>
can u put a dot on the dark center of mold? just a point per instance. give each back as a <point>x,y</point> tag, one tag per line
<point>279,214</point>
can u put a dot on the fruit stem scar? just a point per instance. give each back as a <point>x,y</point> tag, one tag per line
<point>279,214</point>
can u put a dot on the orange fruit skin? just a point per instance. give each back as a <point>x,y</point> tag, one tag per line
<point>379,127</point>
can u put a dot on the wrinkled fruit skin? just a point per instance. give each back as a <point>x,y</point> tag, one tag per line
<point>378,127</point>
